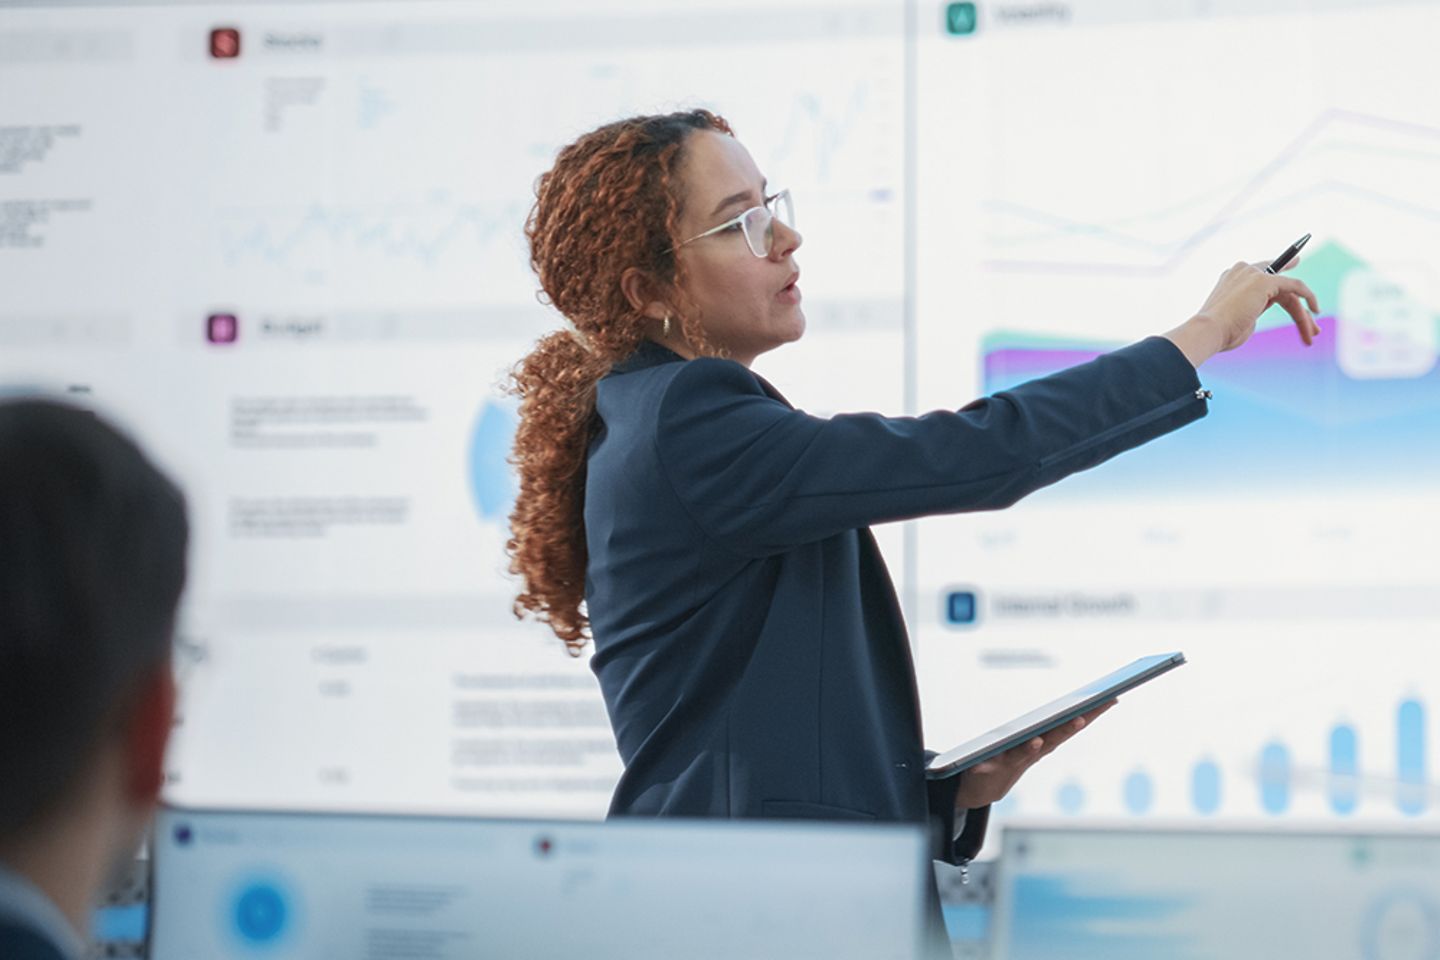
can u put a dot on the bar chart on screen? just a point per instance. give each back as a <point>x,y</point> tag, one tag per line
<point>1398,783</point>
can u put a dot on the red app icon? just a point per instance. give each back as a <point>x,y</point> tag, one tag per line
<point>222,328</point>
<point>224,43</point>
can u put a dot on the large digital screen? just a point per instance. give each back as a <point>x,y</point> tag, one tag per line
<point>283,243</point>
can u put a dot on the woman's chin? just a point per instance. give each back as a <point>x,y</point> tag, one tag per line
<point>797,326</point>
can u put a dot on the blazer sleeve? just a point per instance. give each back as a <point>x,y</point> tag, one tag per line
<point>957,846</point>
<point>762,477</point>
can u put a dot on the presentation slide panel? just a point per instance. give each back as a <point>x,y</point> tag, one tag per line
<point>284,246</point>
<point>1088,170</point>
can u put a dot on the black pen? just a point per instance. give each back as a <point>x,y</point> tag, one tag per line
<point>1288,255</point>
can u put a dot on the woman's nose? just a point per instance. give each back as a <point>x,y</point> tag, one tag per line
<point>786,241</point>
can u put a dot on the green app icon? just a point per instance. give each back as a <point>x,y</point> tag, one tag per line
<point>960,19</point>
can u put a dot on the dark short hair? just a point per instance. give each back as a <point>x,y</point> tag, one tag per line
<point>92,562</point>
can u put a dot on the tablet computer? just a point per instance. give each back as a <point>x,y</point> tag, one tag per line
<point>1051,715</point>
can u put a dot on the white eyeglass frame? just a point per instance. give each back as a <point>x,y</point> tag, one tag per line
<point>739,218</point>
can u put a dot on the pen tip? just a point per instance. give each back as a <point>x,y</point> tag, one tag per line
<point>1303,239</point>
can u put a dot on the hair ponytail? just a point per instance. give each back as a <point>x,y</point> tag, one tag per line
<point>608,204</point>
<point>556,387</point>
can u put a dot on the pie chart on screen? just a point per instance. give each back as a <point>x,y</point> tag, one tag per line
<point>492,479</point>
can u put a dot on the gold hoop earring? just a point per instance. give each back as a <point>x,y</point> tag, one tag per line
<point>665,328</point>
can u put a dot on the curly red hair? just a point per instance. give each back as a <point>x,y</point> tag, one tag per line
<point>609,203</point>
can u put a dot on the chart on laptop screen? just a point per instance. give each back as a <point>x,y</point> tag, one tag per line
<point>1071,894</point>
<point>1098,170</point>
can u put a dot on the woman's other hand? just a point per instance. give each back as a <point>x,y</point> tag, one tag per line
<point>987,782</point>
<point>1227,318</point>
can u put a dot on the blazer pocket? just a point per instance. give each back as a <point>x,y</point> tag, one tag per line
<point>800,810</point>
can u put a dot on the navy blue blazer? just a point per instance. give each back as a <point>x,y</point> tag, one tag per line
<point>748,640</point>
<point>21,942</point>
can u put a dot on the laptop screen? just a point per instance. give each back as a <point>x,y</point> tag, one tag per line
<point>1065,894</point>
<point>243,884</point>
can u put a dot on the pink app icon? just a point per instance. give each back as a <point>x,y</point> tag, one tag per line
<point>222,328</point>
<point>224,43</point>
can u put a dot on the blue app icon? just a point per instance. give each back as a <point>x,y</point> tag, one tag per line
<point>960,607</point>
<point>261,913</point>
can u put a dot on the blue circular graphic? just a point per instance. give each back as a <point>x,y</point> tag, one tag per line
<point>261,913</point>
<point>493,483</point>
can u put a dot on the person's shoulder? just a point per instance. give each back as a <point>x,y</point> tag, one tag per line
<point>710,378</point>
<point>684,384</point>
<point>20,941</point>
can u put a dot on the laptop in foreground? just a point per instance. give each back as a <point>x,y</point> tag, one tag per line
<point>308,885</point>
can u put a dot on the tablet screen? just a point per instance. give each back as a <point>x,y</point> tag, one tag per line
<point>1051,715</point>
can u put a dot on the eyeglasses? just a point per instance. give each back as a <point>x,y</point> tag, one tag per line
<point>757,223</point>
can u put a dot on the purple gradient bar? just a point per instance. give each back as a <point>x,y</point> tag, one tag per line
<point>1274,370</point>
<point>1007,367</point>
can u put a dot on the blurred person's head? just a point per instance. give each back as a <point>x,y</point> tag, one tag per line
<point>92,563</point>
<point>657,228</point>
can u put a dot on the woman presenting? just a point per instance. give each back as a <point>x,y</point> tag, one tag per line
<point>714,540</point>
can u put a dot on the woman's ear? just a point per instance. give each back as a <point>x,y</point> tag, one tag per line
<point>641,291</point>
